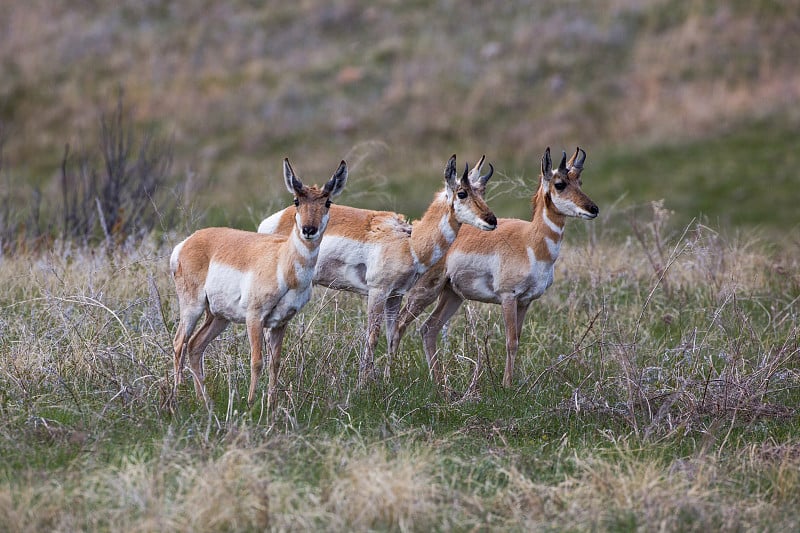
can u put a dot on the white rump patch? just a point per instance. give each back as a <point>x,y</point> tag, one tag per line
<point>271,223</point>
<point>173,259</point>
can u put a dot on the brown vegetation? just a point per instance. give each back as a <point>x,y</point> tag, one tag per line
<point>240,86</point>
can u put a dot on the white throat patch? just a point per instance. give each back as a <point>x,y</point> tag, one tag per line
<point>447,230</point>
<point>558,230</point>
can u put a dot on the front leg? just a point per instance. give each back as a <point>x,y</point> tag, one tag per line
<point>274,345</point>
<point>513,328</point>
<point>522,310</point>
<point>255,335</point>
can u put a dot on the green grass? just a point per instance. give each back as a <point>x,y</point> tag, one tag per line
<point>658,105</point>
<point>640,402</point>
<point>627,397</point>
<point>742,179</point>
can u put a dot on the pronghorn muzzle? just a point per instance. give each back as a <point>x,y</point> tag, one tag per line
<point>310,232</point>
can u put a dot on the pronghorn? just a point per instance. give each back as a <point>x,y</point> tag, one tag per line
<point>244,277</point>
<point>380,255</point>
<point>512,266</point>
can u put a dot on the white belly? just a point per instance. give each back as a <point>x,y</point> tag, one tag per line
<point>345,263</point>
<point>228,290</point>
<point>485,277</point>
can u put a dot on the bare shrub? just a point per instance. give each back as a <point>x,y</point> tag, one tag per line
<point>124,196</point>
<point>111,193</point>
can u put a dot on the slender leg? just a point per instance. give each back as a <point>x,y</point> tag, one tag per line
<point>522,310</point>
<point>376,303</point>
<point>449,302</point>
<point>186,325</point>
<point>421,295</point>
<point>513,327</point>
<point>255,335</point>
<point>274,344</point>
<point>390,315</point>
<point>210,330</point>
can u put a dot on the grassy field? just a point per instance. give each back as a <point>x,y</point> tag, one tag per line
<point>397,87</point>
<point>639,403</point>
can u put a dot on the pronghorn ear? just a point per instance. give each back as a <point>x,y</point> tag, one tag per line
<point>562,167</point>
<point>293,185</point>
<point>451,173</point>
<point>475,177</point>
<point>465,177</point>
<point>336,183</point>
<point>547,165</point>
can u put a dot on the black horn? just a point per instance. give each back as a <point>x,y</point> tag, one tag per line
<point>562,167</point>
<point>580,157</point>
<point>488,175</point>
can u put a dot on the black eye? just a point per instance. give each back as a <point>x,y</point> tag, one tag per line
<point>327,203</point>
<point>561,185</point>
<point>461,194</point>
<point>296,202</point>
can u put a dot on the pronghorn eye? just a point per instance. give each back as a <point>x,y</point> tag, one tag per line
<point>561,185</point>
<point>328,203</point>
<point>296,202</point>
<point>461,194</point>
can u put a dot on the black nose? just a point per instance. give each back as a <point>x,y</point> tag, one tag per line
<point>309,231</point>
<point>491,220</point>
<point>594,209</point>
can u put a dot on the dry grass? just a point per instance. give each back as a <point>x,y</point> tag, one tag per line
<point>658,378</point>
<point>377,488</point>
<point>631,493</point>
<point>239,490</point>
<point>657,389</point>
<point>241,86</point>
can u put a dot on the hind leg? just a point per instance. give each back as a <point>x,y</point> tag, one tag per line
<point>448,304</point>
<point>391,312</point>
<point>376,304</point>
<point>210,330</point>
<point>421,295</point>
<point>186,325</point>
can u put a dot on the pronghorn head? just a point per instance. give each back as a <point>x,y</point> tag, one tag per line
<point>467,199</point>
<point>563,185</point>
<point>312,203</point>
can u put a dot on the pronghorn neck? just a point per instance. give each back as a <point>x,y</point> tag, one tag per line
<point>432,235</point>
<point>548,223</point>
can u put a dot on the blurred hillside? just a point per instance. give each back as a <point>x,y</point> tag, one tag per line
<point>696,102</point>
